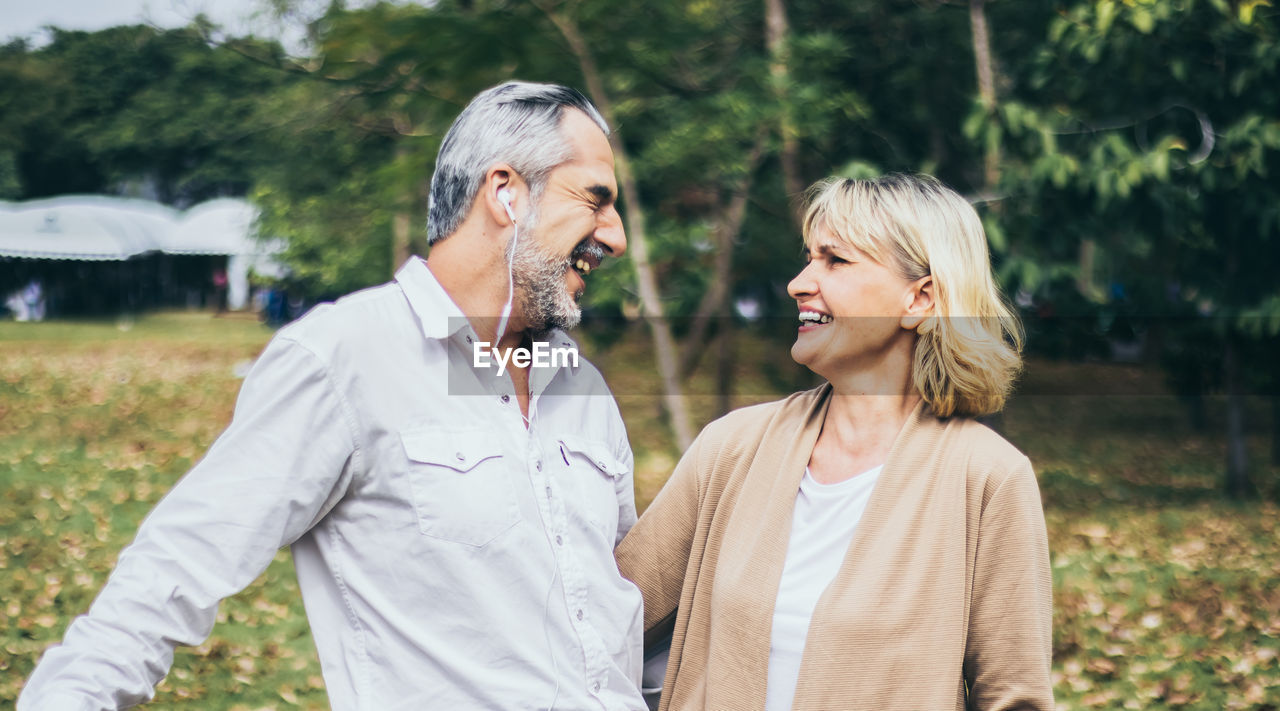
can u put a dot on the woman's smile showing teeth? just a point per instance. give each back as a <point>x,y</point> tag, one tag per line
<point>813,319</point>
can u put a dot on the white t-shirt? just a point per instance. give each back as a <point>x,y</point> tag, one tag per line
<point>822,527</point>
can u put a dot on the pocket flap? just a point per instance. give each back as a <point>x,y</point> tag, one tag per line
<point>598,453</point>
<point>457,450</point>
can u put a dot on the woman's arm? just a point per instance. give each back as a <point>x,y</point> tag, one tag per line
<point>1010,642</point>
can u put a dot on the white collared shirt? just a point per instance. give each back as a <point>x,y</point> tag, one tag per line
<point>448,557</point>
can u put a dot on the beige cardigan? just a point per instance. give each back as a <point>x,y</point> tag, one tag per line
<point>946,583</point>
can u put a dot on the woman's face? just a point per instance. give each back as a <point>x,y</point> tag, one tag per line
<point>851,310</point>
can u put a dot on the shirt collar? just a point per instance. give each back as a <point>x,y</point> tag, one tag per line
<point>438,315</point>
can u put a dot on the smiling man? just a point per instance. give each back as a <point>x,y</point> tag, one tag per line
<point>452,529</point>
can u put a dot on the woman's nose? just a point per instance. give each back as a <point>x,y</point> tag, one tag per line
<point>803,284</point>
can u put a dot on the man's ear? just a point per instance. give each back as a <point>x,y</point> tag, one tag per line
<point>920,304</point>
<point>502,177</point>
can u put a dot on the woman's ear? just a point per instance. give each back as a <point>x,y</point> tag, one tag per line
<point>920,304</point>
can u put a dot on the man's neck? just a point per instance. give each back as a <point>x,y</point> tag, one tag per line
<point>471,266</point>
<point>475,276</point>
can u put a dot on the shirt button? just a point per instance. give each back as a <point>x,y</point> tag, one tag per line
<point>461,457</point>
<point>595,688</point>
<point>559,541</point>
<point>468,339</point>
<point>506,399</point>
<point>548,492</point>
<point>538,465</point>
<point>579,615</point>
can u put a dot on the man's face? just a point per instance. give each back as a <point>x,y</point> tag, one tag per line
<point>574,226</point>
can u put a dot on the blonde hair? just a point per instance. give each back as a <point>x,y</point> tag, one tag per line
<point>968,352</point>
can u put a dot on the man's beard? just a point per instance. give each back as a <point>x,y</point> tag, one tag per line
<point>540,289</point>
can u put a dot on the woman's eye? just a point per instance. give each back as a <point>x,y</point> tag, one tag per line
<point>837,260</point>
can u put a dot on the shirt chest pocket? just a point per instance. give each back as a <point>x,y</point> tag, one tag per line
<point>462,492</point>
<point>594,473</point>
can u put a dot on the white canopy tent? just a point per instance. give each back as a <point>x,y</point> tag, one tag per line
<point>98,228</point>
<point>88,227</point>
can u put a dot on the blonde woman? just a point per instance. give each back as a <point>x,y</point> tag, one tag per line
<point>867,544</point>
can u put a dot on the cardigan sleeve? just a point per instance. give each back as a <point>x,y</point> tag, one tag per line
<point>1009,650</point>
<point>655,553</point>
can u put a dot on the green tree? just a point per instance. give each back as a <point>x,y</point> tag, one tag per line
<point>1147,140</point>
<point>135,109</point>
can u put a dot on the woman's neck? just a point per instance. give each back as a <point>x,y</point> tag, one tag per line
<point>862,421</point>
<point>857,434</point>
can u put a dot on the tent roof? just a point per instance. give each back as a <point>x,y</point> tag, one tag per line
<point>96,227</point>
<point>222,226</point>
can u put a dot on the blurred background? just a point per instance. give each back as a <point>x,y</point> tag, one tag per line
<point>174,175</point>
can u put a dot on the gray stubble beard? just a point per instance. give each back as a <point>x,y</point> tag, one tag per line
<point>539,284</point>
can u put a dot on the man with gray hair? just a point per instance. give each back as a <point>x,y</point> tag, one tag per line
<point>452,527</point>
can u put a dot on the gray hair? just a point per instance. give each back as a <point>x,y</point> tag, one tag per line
<point>517,123</point>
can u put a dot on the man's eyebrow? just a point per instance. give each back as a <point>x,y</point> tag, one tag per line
<point>602,194</point>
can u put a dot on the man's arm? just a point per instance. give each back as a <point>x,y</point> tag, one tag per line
<point>625,485</point>
<point>284,462</point>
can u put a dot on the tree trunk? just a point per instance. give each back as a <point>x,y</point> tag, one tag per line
<point>986,86</point>
<point>400,226</point>
<point>985,69</point>
<point>1237,482</point>
<point>1086,258</point>
<point>1275,432</point>
<point>1197,413</point>
<point>650,301</point>
<point>717,292</point>
<point>725,364</point>
<point>715,299</point>
<point>401,221</point>
<point>777,37</point>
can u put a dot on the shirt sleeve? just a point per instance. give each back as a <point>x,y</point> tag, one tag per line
<point>1009,651</point>
<point>283,463</point>
<point>625,488</point>
<point>655,554</point>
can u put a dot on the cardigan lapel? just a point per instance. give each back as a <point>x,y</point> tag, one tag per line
<point>758,533</point>
<point>898,563</point>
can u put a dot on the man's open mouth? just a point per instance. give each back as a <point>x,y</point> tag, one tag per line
<point>586,256</point>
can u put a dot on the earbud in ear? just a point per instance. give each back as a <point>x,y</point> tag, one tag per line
<point>504,197</point>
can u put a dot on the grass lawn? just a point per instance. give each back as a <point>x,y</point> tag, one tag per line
<point>1166,596</point>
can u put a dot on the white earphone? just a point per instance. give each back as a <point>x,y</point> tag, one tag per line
<point>504,197</point>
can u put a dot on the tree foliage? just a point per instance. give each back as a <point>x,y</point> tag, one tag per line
<point>134,109</point>
<point>1142,194</point>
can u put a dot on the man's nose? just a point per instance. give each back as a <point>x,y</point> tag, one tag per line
<point>609,232</point>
